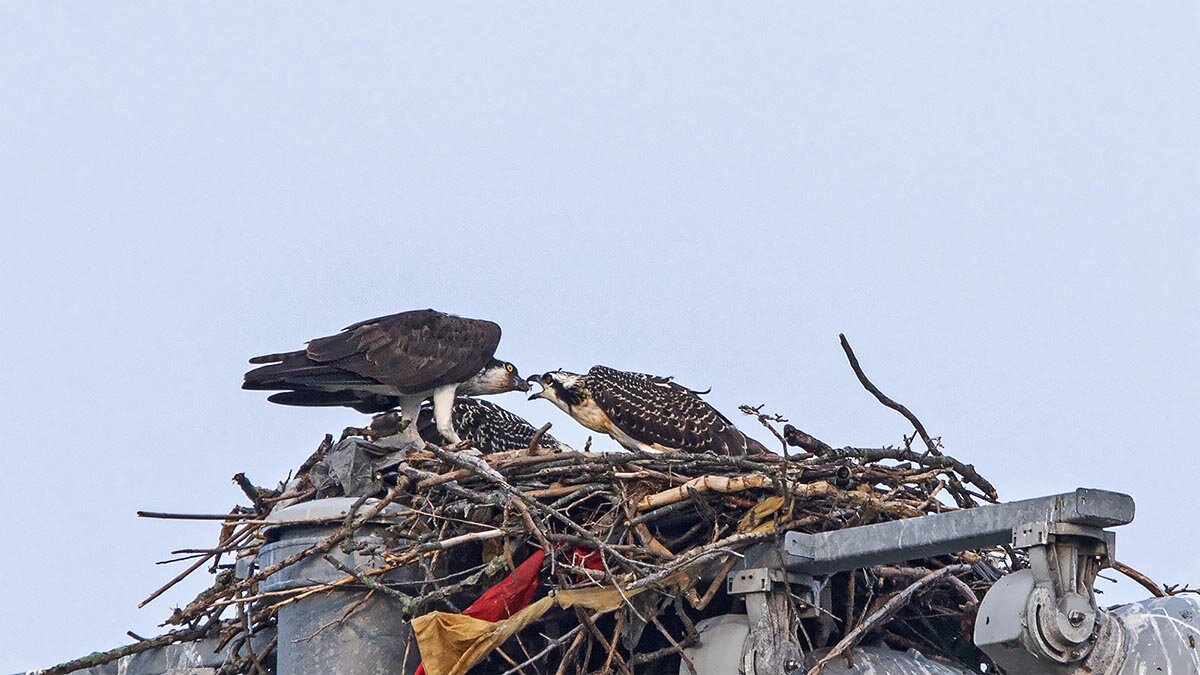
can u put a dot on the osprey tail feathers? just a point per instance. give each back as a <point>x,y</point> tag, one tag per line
<point>275,358</point>
<point>320,399</point>
<point>295,370</point>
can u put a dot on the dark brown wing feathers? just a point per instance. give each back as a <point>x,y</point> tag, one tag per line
<point>410,351</point>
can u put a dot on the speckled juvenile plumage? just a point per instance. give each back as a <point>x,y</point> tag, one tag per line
<point>487,426</point>
<point>645,412</point>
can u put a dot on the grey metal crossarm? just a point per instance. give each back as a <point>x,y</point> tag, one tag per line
<point>943,533</point>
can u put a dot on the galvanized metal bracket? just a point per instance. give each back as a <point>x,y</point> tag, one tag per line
<point>770,649</point>
<point>1063,535</point>
<point>1061,616</point>
<point>757,580</point>
<point>810,591</point>
<point>1045,532</point>
<point>943,533</point>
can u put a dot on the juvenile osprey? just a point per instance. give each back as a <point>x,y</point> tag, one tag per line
<point>644,412</point>
<point>487,426</point>
<point>396,360</point>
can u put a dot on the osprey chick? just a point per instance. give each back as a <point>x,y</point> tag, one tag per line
<point>644,412</point>
<point>396,360</point>
<point>488,427</point>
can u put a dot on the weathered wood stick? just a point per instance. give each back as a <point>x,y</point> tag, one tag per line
<point>702,484</point>
<point>885,612</point>
<point>457,474</point>
<point>556,491</point>
<point>321,547</point>
<point>111,655</point>
<point>231,539</point>
<point>1145,581</point>
<point>537,439</point>
<point>550,647</point>
<point>196,516</point>
<point>251,490</point>
<point>882,398</point>
<point>900,454</point>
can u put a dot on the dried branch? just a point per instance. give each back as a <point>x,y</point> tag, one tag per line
<point>885,612</point>
<point>253,492</point>
<point>537,438</point>
<point>866,383</point>
<point>320,548</point>
<point>101,658</point>
<point>1145,581</point>
<point>551,646</point>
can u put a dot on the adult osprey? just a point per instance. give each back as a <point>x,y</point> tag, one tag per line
<point>644,412</point>
<point>392,361</point>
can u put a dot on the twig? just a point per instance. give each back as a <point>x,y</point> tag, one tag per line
<point>197,516</point>
<point>651,657</point>
<point>322,547</point>
<point>674,644</point>
<point>111,655</point>
<point>534,528</point>
<point>658,513</point>
<point>616,636</point>
<point>537,438</point>
<point>1145,581</point>
<point>866,383</point>
<point>602,641</point>
<point>765,420</point>
<point>900,454</point>
<point>325,446</point>
<point>252,492</point>
<point>369,582</point>
<point>701,484</point>
<point>885,612</point>
<point>550,647</point>
<point>482,469</point>
<point>699,602</point>
<point>232,539</point>
<point>358,604</point>
<point>248,631</point>
<point>566,657</point>
<point>970,600</point>
<point>807,442</point>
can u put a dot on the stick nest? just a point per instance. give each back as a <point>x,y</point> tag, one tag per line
<point>674,524</point>
<point>664,529</point>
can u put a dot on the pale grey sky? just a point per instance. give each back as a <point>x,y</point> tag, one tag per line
<point>997,202</point>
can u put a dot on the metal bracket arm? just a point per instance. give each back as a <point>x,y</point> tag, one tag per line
<point>1061,613</point>
<point>943,533</point>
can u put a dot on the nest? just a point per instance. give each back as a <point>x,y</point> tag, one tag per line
<point>661,529</point>
<point>628,551</point>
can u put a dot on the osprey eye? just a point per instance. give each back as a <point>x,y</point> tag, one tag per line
<point>508,367</point>
<point>546,379</point>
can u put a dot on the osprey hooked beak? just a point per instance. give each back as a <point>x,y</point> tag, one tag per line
<point>534,378</point>
<point>517,383</point>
